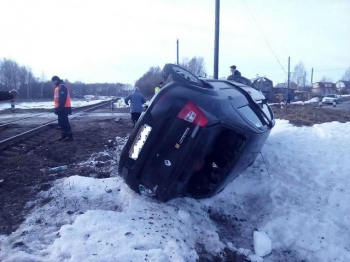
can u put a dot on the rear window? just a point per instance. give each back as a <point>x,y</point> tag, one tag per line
<point>330,96</point>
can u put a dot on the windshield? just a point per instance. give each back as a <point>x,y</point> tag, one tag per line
<point>330,95</point>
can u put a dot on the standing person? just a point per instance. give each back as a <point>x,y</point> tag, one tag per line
<point>158,87</point>
<point>288,98</point>
<point>234,71</point>
<point>137,100</point>
<point>63,108</point>
<point>8,95</point>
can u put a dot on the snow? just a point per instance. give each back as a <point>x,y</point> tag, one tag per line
<point>297,192</point>
<point>312,100</point>
<point>262,243</point>
<point>45,104</point>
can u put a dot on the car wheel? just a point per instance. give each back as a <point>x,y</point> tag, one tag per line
<point>180,74</point>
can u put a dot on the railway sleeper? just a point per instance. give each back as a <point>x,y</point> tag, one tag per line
<point>8,153</point>
<point>30,143</point>
<point>3,158</point>
<point>17,149</point>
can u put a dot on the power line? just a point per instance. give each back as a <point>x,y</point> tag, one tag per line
<point>331,69</point>
<point>267,42</point>
<point>334,69</point>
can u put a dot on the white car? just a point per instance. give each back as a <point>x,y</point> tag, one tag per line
<point>330,98</point>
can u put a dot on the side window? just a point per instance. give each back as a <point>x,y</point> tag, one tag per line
<point>251,116</point>
<point>266,111</point>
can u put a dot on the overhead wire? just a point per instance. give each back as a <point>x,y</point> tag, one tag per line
<point>265,38</point>
<point>334,69</point>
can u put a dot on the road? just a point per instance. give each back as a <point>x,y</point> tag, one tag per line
<point>341,105</point>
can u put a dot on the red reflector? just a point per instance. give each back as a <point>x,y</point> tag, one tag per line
<point>191,113</point>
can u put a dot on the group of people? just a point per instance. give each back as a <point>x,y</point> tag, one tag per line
<point>63,107</point>
<point>136,100</point>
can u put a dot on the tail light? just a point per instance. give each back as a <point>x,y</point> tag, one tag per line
<point>191,113</point>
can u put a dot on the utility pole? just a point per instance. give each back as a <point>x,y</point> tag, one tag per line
<point>288,73</point>
<point>177,51</point>
<point>216,41</point>
<point>312,76</point>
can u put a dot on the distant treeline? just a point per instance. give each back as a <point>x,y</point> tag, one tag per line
<point>153,76</point>
<point>30,87</point>
<point>21,78</point>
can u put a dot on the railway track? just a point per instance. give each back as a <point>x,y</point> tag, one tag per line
<point>27,138</point>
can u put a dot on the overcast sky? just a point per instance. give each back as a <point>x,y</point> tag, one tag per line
<point>118,40</point>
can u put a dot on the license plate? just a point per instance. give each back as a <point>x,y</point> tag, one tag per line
<point>147,192</point>
<point>139,141</point>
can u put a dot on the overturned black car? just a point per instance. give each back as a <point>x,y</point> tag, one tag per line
<point>196,136</point>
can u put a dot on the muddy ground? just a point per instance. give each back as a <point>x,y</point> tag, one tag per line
<point>21,175</point>
<point>26,175</point>
<point>301,116</point>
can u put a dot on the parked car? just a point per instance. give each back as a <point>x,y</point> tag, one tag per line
<point>330,99</point>
<point>195,137</point>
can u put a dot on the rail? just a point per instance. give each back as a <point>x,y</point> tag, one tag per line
<point>6,143</point>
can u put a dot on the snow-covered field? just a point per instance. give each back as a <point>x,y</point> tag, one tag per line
<point>45,105</point>
<point>49,104</point>
<point>296,195</point>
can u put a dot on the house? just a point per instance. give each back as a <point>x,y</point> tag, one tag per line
<point>281,90</point>
<point>284,86</point>
<point>323,88</point>
<point>265,85</point>
<point>343,86</point>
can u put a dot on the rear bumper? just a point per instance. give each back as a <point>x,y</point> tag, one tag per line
<point>330,100</point>
<point>168,157</point>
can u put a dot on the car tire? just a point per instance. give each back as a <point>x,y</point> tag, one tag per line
<point>178,73</point>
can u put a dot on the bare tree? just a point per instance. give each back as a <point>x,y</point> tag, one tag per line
<point>300,75</point>
<point>23,81</point>
<point>9,76</point>
<point>149,81</point>
<point>326,79</point>
<point>42,80</point>
<point>346,75</point>
<point>195,65</point>
<point>14,76</point>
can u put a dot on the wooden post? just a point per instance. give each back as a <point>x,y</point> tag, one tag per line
<point>12,105</point>
<point>216,40</point>
<point>177,51</point>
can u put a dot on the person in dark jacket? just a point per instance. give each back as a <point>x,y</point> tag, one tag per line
<point>63,108</point>
<point>8,95</point>
<point>137,100</point>
<point>288,98</point>
<point>234,71</point>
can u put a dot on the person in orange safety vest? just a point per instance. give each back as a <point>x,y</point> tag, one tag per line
<point>63,108</point>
